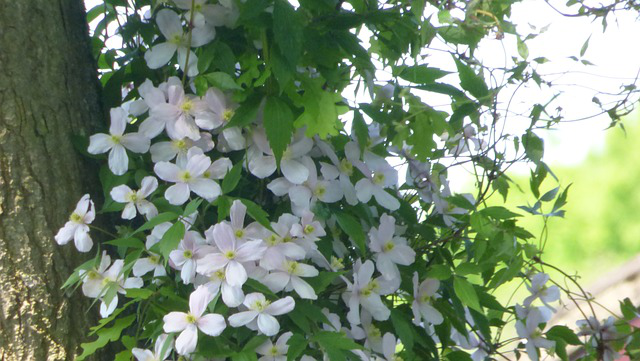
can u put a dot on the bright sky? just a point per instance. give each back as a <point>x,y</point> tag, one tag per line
<point>615,54</point>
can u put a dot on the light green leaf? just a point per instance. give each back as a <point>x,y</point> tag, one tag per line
<point>466,293</point>
<point>222,81</point>
<point>278,124</point>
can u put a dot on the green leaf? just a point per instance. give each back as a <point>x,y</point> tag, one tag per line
<point>322,280</point>
<point>247,112</point>
<point>470,81</point>
<point>297,345</point>
<point>278,124</point>
<point>127,242</point>
<point>353,229</point>
<point>287,31</point>
<point>141,293</point>
<point>105,336</point>
<point>232,178</point>
<point>160,218</point>
<point>498,212</point>
<point>533,146</point>
<point>360,129</point>
<point>222,81</point>
<point>466,293</point>
<point>563,333</point>
<point>257,213</point>
<point>458,356</point>
<point>330,340</point>
<point>585,46</point>
<point>523,50</point>
<point>421,74</point>
<point>256,341</point>
<point>192,207</point>
<point>403,327</point>
<point>320,114</point>
<point>170,239</point>
<point>440,272</point>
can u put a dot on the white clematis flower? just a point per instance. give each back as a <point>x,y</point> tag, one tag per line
<point>186,112</point>
<point>157,354</point>
<point>529,330</point>
<point>167,151</point>
<point>539,289</point>
<point>116,142</point>
<point>380,176</point>
<point>423,296</point>
<point>77,226</point>
<point>92,278</point>
<point>136,199</point>
<point>189,251</point>
<point>230,255</point>
<point>367,291</point>
<point>281,246</point>
<point>113,277</point>
<point>260,313</point>
<point>277,351</point>
<point>170,26</point>
<point>389,251</point>
<point>216,282</point>
<point>144,265</point>
<point>189,323</point>
<point>289,277</point>
<point>262,162</point>
<point>187,178</point>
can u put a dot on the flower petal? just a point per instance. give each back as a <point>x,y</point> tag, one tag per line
<point>242,318</point>
<point>280,307</point>
<point>212,324</point>
<point>268,324</point>
<point>118,160</point>
<point>159,55</point>
<point>188,340</point>
<point>99,143</point>
<point>174,322</point>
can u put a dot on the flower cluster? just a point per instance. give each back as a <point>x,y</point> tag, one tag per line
<point>238,240</point>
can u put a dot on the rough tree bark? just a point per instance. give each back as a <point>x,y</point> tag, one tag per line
<point>48,91</point>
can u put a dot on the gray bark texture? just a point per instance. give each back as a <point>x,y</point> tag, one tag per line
<point>48,92</point>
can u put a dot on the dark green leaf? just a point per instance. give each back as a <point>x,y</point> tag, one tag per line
<point>232,178</point>
<point>353,229</point>
<point>278,124</point>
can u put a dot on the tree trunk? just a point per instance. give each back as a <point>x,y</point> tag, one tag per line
<point>48,92</point>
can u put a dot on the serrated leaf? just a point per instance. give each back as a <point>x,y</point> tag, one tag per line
<point>287,31</point>
<point>278,124</point>
<point>466,293</point>
<point>247,112</point>
<point>105,336</point>
<point>470,81</point>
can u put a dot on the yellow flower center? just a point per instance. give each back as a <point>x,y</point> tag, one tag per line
<point>184,176</point>
<point>370,288</point>
<point>191,318</point>
<point>187,254</point>
<point>378,178</point>
<point>180,144</point>
<point>287,239</point>
<point>187,106</point>
<point>346,167</point>
<point>154,259</point>
<point>308,229</point>
<point>260,305</point>
<point>292,266</point>
<point>176,39</point>
<point>374,332</point>
<point>132,197</point>
<point>75,217</point>
<point>388,246</point>
<point>274,351</point>
<point>319,191</point>
<point>239,233</point>
<point>93,275</point>
<point>227,114</point>
<point>336,263</point>
<point>116,139</point>
<point>272,240</point>
<point>219,274</point>
<point>230,254</point>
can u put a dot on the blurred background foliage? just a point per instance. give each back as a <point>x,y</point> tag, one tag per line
<point>601,228</point>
